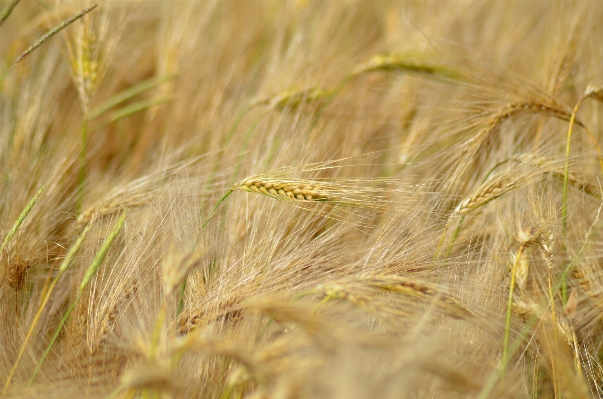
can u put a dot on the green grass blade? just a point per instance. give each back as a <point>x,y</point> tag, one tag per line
<point>129,93</point>
<point>54,337</point>
<point>136,107</point>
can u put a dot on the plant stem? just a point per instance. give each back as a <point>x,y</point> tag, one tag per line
<point>82,172</point>
<point>183,286</point>
<point>90,272</point>
<point>505,358</point>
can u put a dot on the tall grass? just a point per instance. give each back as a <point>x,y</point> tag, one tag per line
<point>324,199</point>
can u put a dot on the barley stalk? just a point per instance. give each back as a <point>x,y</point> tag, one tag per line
<point>16,273</point>
<point>62,269</point>
<point>90,273</point>
<point>529,308</point>
<point>590,92</point>
<point>100,211</point>
<point>523,266</point>
<point>505,355</point>
<point>489,123</point>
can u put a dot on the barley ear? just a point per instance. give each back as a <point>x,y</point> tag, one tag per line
<point>8,10</point>
<point>21,218</point>
<point>47,36</point>
<point>594,91</point>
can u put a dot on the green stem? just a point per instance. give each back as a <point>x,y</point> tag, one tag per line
<point>526,330</point>
<point>157,330</point>
<point>455,236</point>
<point>505,358</point>
<point>82,172</point>
<point>54,337</point>
<point>183,285</point>
<point>564,200</point>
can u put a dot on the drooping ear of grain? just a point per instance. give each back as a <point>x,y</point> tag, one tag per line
<point>283,189</point>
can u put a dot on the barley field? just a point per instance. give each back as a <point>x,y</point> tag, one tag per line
<point>301,199</point>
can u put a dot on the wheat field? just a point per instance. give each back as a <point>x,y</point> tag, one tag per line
<point>301,199</point>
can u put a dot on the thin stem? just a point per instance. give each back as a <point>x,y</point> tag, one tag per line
<point>505,358</point>
<point>437,252</point>
<point>157,331</point>
<point>63,268</point>
<point>54,337</point>
<point>455,235</point>
<point>183,286</point>
<point>82,172</point>
<point>28,336</point>
<point>566,169</point>
<point>90,273</point>
<point>555,335</point>
<point>564,198</point>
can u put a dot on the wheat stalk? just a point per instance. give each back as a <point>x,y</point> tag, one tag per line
<point>529,308</point>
